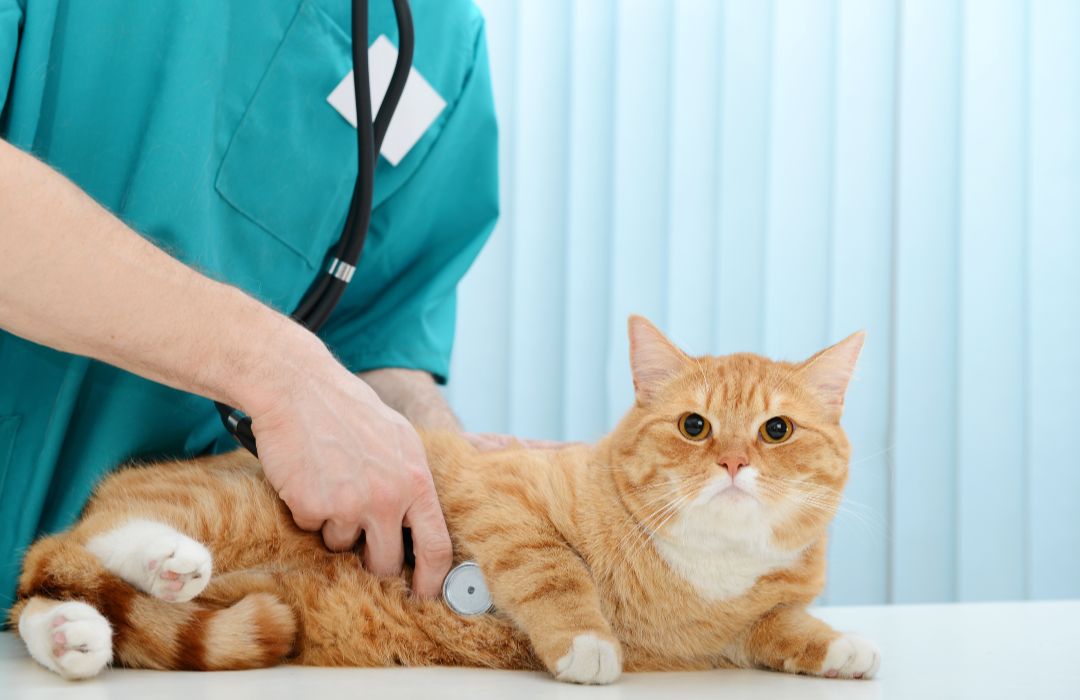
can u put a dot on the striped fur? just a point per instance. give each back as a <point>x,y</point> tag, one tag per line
<point>564,537</point>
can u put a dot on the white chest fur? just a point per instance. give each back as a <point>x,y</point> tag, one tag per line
<point>720,558</point>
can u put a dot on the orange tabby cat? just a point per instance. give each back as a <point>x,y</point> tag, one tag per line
<point>692,537</point>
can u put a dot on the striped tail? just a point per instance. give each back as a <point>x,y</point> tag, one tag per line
<point>239,622</point>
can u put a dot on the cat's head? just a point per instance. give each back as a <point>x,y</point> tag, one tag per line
<point>733,448</point>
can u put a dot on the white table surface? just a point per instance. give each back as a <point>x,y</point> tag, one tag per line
<point>1020,651</point>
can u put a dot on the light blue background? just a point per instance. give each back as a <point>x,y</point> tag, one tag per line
<point>771,176</point>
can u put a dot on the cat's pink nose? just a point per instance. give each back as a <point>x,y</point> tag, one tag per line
<point>733,463</point>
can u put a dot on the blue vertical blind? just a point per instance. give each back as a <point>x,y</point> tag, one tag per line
<point>771,176</point>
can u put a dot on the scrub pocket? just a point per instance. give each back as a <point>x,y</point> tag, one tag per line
<point>290,164</point>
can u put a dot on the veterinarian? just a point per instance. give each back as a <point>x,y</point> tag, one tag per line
<point>171,176</point>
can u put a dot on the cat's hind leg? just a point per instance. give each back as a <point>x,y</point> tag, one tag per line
<point>155,558</point>
<point>67,637</point>
<point>254,628</point>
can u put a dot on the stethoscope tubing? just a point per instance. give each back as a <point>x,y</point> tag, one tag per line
<point>327,289</point>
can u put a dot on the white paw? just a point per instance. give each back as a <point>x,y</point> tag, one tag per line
<point>156,558</point>
<point>851,656</point>
<point>590,660</point>
<point>71,639</point>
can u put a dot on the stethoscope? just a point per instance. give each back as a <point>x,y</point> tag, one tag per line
<point>326,290</point>
<point>463,588</point>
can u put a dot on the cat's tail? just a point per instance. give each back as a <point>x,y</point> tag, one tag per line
<point>256,631</point>
<point>240,623</point>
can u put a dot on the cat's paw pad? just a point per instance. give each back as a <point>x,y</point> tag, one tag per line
<point>178,568</point>
<point>590,660</point>
<point>72,639</point>
<point>851,656</point>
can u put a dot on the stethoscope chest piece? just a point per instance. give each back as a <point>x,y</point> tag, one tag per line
<point>465,592</point>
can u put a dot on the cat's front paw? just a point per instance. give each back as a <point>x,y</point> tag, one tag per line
<point>850,656</point>
<point>72,639</point>
<point>591,659</point>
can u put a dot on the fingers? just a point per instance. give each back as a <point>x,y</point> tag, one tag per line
<point>383,549</point>
<point>307,523</point>
<point>431,545</point>
<point>340,536</point>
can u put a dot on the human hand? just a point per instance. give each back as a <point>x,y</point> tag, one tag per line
<point>345,463</point>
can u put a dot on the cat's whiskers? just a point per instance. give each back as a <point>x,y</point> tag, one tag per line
<point>677,482</point>
<point>824,494</point>
<point>647,525</point>
<point>796,494</point>
<point>645,488</point>
<point>808,496</point>
<point>867,458</point>
<point>673,509</point>
<point>670,504</point>
<point>663,499</point>
<point>821,499</point>
<point>676,509</point>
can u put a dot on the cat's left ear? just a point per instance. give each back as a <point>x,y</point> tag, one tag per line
<point>654,360</point>
<point>828,372</point>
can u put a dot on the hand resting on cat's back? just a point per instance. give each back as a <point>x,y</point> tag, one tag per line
<point>693,536</point>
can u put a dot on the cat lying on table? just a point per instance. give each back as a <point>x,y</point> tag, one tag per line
<point>691,537</point>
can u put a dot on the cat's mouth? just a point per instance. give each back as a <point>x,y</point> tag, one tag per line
<point>735,493</point>
<point>724,492</point>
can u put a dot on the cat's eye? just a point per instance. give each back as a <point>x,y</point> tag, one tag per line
<point>694,426</point>
<point>777,429</point>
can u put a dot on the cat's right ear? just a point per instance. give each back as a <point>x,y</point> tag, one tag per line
<point>654,359</point>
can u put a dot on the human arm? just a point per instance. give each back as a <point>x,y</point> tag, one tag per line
<point>77,279</point>
<point>415,395</point>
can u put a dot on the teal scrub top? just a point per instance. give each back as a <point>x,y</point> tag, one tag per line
<point>204,125</point>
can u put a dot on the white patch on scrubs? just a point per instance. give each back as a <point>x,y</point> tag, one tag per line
<point>418,108</point>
